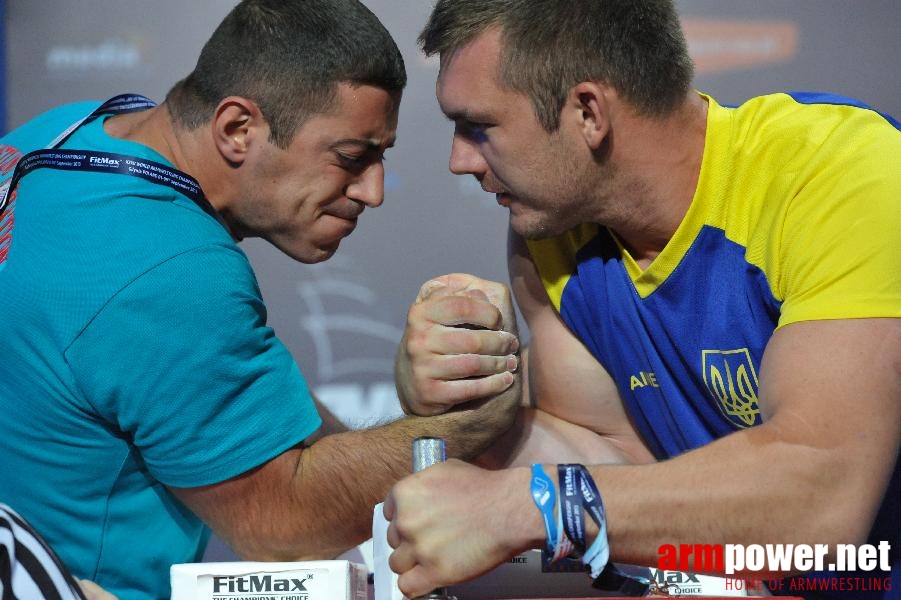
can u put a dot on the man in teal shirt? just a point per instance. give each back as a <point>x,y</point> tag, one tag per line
<point>144,399</point>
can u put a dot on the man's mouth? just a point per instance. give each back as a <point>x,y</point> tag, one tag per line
<point>347,214</point>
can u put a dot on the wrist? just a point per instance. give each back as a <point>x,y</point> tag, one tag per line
<point>526,527</point>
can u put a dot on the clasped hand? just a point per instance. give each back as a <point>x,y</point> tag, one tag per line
<point>441,535</point>
<point>460,344</point>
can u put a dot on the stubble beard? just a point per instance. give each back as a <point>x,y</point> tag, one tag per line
<point>556,218</point>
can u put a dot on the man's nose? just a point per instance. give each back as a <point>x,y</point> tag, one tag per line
<point>466,157</point>
<point>369,187</point>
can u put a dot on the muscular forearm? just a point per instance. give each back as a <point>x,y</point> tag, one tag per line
<point>770,489</point>
<point>815,471</point>
<point>539,437</point>
<point>325,502</point>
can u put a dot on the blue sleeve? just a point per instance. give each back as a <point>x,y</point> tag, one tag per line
<point>182,363</point>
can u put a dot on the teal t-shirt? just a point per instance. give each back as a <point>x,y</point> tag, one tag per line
<point>135,356</point>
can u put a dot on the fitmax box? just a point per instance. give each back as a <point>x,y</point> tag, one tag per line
<point>304,580</point>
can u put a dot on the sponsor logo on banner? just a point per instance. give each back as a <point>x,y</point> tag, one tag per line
<point>729,44</point>
<point>718,45</point>
<point>677,583</point>
<point>732,382</point>
<point>117,55</point>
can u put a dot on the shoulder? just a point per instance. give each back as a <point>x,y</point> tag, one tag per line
<point>805,123</point>
<point>42,129</point>
<point>791,153</point>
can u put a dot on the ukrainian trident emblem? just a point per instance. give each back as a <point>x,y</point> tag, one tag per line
<point>732,381</point>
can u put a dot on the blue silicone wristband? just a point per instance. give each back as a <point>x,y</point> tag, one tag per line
<point>544,496</point>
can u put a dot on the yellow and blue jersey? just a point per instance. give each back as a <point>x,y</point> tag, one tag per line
<point>796,216</point>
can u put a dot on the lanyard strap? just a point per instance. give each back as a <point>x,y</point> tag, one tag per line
<point>117,105</point>
<point>51,157</point>
<point>107,162</point>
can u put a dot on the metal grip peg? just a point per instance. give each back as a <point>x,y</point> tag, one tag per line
<point>428,451</point>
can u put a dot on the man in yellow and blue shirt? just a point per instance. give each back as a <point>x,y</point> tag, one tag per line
<point>713,298</point>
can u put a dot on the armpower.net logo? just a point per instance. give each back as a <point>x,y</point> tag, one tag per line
<point>760,567</point>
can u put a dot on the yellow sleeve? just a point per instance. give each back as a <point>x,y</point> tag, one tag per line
<point>840,244</point>
<point>555,258</point>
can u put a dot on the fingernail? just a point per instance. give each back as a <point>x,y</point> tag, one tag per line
<point>428,287</point>
<point>512,363</point>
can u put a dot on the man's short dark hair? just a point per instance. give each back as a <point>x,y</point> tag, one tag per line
<point>288,56</point>
<point>636,46</point>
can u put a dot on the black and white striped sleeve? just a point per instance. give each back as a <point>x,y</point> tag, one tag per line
<point>29,569</point>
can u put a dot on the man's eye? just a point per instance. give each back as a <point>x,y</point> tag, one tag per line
<point>359,162</point>
<point>473,131</point>
<point>352,162</point>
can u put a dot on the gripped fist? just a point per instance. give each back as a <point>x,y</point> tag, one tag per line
<point>453,522</point>
<point>460,344</point>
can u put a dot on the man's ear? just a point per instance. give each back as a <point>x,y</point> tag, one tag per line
<point>592,112</point>
<point>237,123</point>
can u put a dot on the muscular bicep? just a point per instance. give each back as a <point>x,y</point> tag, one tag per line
<point>565,380</point>
<point>832,388</point>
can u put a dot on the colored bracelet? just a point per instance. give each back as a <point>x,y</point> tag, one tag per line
<point>544,496</point>
<point>547,501</point>
<point>598,554</point>
<point>579,492</point>
<point>570,480</point>
<point>564,546</point>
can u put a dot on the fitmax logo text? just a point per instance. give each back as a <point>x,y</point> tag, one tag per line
<point>254,583</point>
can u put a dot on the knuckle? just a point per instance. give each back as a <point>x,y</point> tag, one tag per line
<point>470,364</point>
<point>428,386</point>
<point>467,341</point>
<point>414,345</point>
<point>425,343</point>
<point>414,314</point>
<point>458,305</point>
